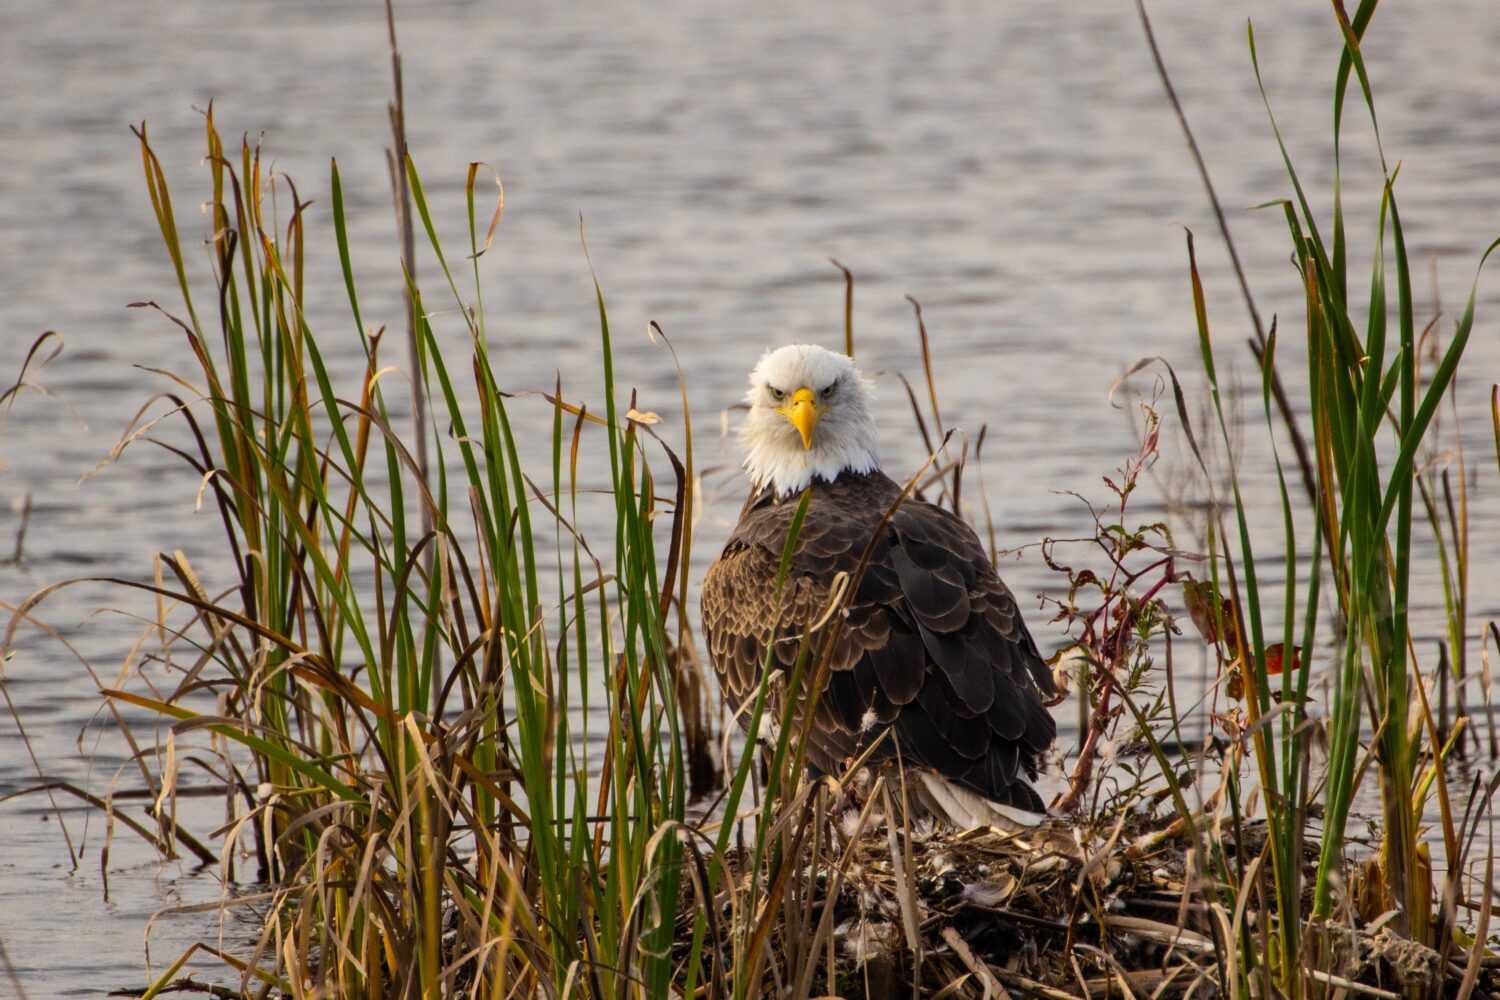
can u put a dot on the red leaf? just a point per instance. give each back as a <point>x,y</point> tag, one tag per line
<point>1276,658</point>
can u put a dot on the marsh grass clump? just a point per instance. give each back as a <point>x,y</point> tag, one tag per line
<point>395,714</point>
<point>465,751</point>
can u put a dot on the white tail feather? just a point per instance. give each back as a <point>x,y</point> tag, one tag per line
<point>968,810</point>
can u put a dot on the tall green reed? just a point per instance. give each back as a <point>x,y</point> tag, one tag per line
<point>407,713</point>
<point>1370,415</point>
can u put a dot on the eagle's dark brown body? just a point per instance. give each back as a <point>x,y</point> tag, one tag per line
<point>932,644</point>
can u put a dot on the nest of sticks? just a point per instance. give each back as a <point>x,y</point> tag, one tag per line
<point>1070,912</point>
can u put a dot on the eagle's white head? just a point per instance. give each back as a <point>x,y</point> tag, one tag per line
<point>809,419</point>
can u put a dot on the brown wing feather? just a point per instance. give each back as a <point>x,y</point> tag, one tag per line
<point>931,645</point>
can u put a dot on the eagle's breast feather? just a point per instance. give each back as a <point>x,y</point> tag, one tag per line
<point>929,644</point>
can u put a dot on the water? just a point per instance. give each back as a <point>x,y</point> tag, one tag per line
<point>1015,167</point>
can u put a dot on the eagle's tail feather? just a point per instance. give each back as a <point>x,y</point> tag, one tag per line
<point>964,809</point>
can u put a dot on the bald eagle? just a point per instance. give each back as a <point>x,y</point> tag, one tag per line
<point>929,647</point>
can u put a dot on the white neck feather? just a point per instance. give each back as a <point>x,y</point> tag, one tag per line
<point>844,439</point>
<point>777,459</point>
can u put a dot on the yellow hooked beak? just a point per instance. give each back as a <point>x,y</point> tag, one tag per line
<point>803,411</point>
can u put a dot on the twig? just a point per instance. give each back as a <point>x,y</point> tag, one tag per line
<point>1154,930</point>
<point>186,985</point>
<point>848,306</point>
<point>1351,986</point>
<point>1031,986</point>
<point>10,973</point>
<point>401,189</point>
<point>14,559</point>
<point>1258,343</point>
<point>992,986</point>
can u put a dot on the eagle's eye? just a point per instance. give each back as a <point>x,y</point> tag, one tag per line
<point>830,390</point>
<point>776,393</point>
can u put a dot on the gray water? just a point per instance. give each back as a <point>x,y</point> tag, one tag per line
<point>1013,166</point>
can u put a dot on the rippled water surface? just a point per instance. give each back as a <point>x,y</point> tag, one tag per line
<point>1014,166</point>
